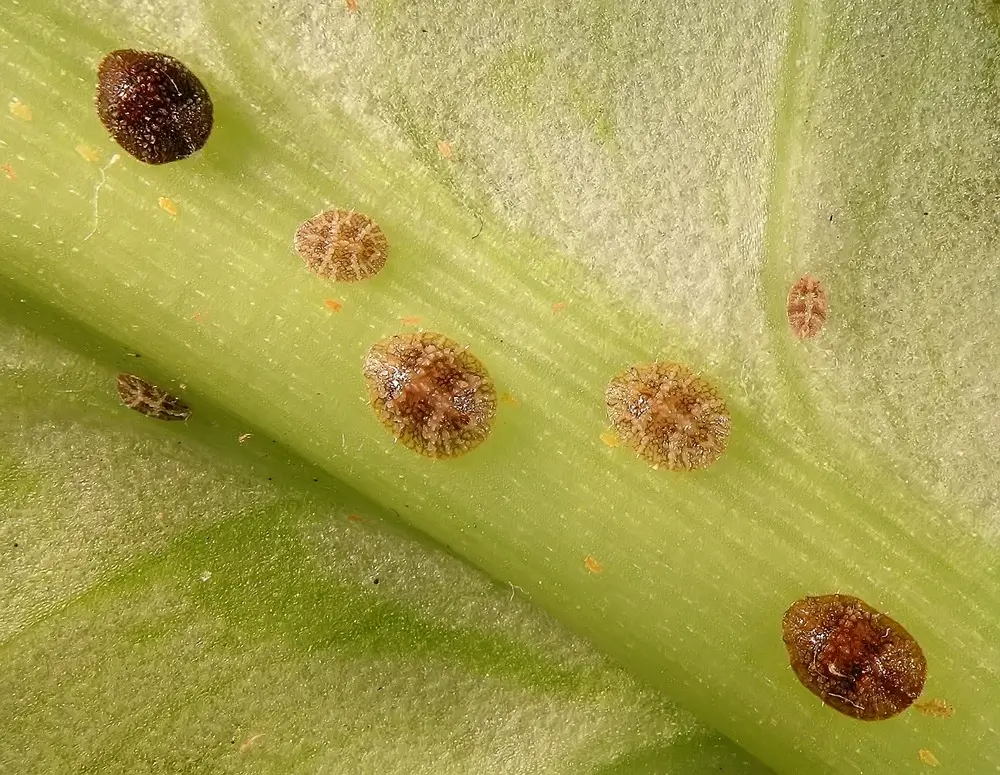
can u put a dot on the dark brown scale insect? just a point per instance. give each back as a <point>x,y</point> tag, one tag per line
<point>342,245</point>
<point>146,398</point>
<point>852,657</point>
<point>671,417</point>
<point>152,105</point>
<point>431,393</point>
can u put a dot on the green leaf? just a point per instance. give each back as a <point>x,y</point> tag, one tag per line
<point>664,171</point>
<point>178,601</point>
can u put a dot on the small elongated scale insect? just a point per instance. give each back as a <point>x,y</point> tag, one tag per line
<point>668,415</point>
<point>431,393</point>
<point>808,307</point>
<point>854,658</point>
<point>152,105</point>
<point>342,245</point>
<point>146,398</point>
<point>936,708</point>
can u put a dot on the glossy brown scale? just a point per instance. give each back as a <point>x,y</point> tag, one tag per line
<point>668,415</point>
<point>431,393</point>
<point>146,398</point>
<point>855,659</point>
<point>152,105</point>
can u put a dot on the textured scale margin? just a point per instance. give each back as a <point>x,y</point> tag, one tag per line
<point>431,393</point>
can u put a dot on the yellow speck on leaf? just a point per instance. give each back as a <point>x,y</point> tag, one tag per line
<point>19,110</point>
<point>249,743</point>
<point>410,320</point>
<point>244,437</point>
<point>87,153</point>
<point>559,306</point>
<point>935,708</point>
<point>333,305</point>
<point>168,205</point>
<point>8,171</point>
<point>508,399</point>
<point>444,148</point>
<point>593,565</point>
<point>610,439</point>
<point>928,758</point>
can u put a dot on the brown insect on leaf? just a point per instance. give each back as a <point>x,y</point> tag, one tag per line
<point>668,415</point>
<point>342,245</point>
<point>152,105</point>
<point>808,307</point>
<point>854,658</point>
<point>431,393</point>
<point>146,398</point>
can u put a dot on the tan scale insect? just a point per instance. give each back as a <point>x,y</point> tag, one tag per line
<point>431,393</point>
<point>342,245</point>
<point>668,415</point>
<point>150,400</point>
<point>808,307</point>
